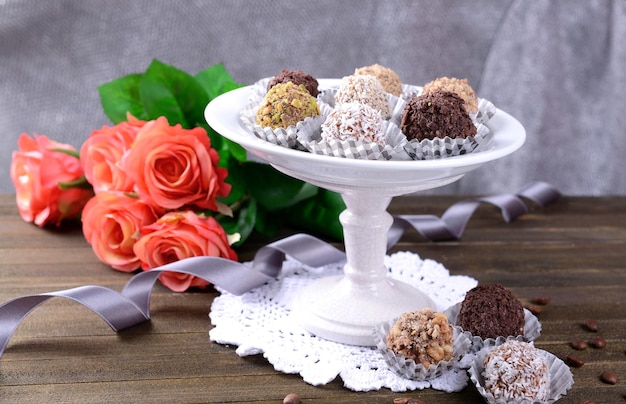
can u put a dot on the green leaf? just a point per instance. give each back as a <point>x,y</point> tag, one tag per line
<point>273,189</point>
<point>167,91</point>
<point>243,222</point>
<point>268,223</point>
<point>121,96</point>
<point>216,80</point>
<point>318,215</point>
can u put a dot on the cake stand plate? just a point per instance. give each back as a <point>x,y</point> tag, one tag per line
<point>346,308</point>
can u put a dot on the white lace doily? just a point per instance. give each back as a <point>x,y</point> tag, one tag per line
<point>259,322</point>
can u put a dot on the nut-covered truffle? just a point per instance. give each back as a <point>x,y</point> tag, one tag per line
<point>388,78</point>
<point>436,115</point>
<point>516,370</point>
<point>354,121</point>
<point>424,336</point>
<point>457,86</point>
<point>364,89</point>
<point>285,105</point>
<point>491,311</point>
<point>296,77</point>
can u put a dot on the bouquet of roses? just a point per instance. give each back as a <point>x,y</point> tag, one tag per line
<point>160,185</point>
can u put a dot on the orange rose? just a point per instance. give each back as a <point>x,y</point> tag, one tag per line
<point>178,235</point>
<point>36,171</point>
<point>174,167</point>
<point>111,223</point>
<point>102,153</point>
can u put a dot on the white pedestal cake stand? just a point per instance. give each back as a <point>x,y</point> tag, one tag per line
<point>346,308</point>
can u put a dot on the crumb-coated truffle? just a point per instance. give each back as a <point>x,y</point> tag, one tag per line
<point>354,121</point>
<point>458,86</point>
<point>364,89</point>
<point>285,105</point>
<point>439,114</point>
<point>296,77</point>
<point>388,78</point>
<point>516,370</point>
<point>424,336</point>
<point>491,311</point>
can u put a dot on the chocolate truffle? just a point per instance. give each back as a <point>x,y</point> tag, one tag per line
<point>424,336</point>
<point>388,78</point>
<point>364,89</point>
<point>285,105</point>
<point>516,370</point>
<point>491,311</point>
<point>439,114</point>
<point>354,121</point>
<point>296,77</point>
<point>457,86</point>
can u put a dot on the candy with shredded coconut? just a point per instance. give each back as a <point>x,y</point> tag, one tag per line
<point>354,121</point>
<point>458,86</point>
<point>364,89</point>
<point>388,78</point>
<point>516,370</point>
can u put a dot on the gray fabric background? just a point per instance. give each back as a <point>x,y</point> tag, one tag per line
<point>557,66</point>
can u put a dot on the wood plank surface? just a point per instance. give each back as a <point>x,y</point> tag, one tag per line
<point>573,250</point>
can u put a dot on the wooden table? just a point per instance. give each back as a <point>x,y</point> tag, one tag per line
<point>573,251</point>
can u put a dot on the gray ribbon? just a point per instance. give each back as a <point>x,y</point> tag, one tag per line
<point>132,305</point>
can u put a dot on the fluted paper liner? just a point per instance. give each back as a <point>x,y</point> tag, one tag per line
<point>285,137</point>
<point>561,379</point>
<point>532,329</point>
<point>393,149</point>
<point>407,368</point>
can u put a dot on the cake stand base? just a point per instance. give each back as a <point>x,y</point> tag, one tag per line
<point>335,309</point>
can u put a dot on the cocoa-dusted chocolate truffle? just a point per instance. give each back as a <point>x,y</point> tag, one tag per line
<point>364,89</point>
<point>458,86</point>
<point>424,336</point>
<point>296,77</point>
<point>491,311</point>
<point>516,370</point>
<point>439,114</point>
<point>388,78</point>
<point>285,105</point>
<point>354,121</point>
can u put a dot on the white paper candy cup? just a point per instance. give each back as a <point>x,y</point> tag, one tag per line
<point>449,147</point>
<point>532,329</point>
<point>408,369</point>
<point>393,149</point>
<point>561,379</point>
<point>285,137</point>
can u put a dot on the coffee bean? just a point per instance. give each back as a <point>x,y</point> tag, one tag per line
<point>407,400</point>
<point>597,342</point>
<point>292,398</point>
<point>592,325</point>
<point>609,377</point>
<point>579,344</point>
<point>541,300</point>
<point>534,308</point>
<point>574,361</point>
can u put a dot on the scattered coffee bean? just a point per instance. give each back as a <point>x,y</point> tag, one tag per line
<point>592,325</point>
<point>292,398</point>
<point>597,342</point>
<point>609,377</point>
<point>579,344</point>
<point>407,400</point>
<point>574,361</point>
<point>534,308</point>
<point>541,300</point>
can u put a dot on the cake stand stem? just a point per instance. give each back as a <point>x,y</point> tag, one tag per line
<point>346,308</point>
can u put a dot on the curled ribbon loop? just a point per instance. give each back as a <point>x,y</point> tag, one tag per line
<point>132,305</point>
